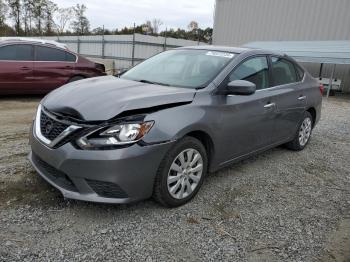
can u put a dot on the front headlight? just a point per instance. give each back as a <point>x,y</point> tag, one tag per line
<point>111,136</point>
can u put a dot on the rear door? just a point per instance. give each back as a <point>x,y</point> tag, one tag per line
<point>290,96</point>
<point>53,67</point>
<point>16,69</point>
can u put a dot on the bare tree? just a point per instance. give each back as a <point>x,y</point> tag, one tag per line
<point>156,23</point>
<point>39,7</point>
<point>3,12</point>
<point>63,18</point>
<point>49,12</point>
<point>27,15</point>
<point>15,13</point>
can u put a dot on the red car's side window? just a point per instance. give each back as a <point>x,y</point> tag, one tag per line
<point>21,52</point>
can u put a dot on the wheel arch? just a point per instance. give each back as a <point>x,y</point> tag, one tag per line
<point>207,142</point>
<point>313,113</point>
<point>76,75</point>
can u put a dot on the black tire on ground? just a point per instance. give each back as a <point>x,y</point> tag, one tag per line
<point>75,78</point>
<point>295,143</point>
<point>161,192</point>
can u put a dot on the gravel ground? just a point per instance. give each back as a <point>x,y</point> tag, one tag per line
<point>278,206</point>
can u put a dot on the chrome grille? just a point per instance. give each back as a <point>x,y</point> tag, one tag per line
<point>50,128</point>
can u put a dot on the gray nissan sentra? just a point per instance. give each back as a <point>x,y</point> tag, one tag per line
<point>159,128</point>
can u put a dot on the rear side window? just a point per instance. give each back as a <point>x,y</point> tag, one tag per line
<point>16,52</point>
<point>43,53</point>
<point>254,70</point>
<point>283,71</point>
<point>70,57</point>
<point>300,72</point>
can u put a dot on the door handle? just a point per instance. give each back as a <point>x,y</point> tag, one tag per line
<point>25,68</point>
<point>300,98</point>
<point>68,67</point>
<point>269,105</point>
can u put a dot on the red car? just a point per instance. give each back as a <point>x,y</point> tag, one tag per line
<point>39,66</point>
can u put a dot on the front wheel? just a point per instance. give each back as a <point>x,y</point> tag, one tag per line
<point>181,173</point>
<point>303,134</point>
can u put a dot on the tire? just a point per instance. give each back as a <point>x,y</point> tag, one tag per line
<point>75,78</point>
<point>303,134</point>
<point>175,184</point>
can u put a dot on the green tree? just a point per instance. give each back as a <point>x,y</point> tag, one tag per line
<point>81,24</point>
<point>49,12</point>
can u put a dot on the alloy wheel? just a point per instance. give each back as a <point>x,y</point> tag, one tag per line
<point>185,173</point>
<point>305,131</point>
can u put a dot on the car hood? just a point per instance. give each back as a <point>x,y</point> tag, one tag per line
<point>102,98</point>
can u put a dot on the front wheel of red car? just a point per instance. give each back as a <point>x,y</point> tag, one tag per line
<point>181,173</point>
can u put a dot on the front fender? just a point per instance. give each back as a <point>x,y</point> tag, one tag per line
<point>174,123</point>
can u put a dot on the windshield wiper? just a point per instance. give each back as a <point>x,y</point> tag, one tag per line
<point>151,82</point>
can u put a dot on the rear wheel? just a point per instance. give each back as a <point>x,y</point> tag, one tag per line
<point>303,134</point>
<point>181,173</point>
<point>75,78</point>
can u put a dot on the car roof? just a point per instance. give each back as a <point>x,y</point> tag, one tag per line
<point>4,40</point>
<point>229,49</point>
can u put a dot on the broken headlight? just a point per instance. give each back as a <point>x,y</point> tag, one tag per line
<point>116,135</point>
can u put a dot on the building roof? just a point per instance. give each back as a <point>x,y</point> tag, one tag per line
<point>327,52</point>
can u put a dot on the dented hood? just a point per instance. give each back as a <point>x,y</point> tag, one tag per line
<point>102,98</point>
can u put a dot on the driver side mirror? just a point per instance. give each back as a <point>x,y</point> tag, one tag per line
<point>240,87</point>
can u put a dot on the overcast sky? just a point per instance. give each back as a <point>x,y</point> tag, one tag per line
<point>119,13</point>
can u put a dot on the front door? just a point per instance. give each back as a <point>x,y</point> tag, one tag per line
<point>247,122</point>
<point>16,69</point>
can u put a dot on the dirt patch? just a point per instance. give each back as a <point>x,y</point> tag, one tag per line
<point>29,190</point>
<point>338,247</point>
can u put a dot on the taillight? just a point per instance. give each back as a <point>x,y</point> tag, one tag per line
<point>321,89</point>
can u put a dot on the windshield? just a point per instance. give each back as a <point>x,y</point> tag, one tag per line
<point>181,67</point>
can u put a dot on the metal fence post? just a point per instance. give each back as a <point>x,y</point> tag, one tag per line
<point>133,47</point>
<point>103,43</point>
<point>78,47</point>
<point>164,46</point>
<point>331,80</point>
<point>198,36</point>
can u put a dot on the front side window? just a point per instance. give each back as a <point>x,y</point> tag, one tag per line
<point>16,52</point>
<point>283,71</point>
<point>254,70</point>
<point>43,53</point>
<point>182,67</point>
